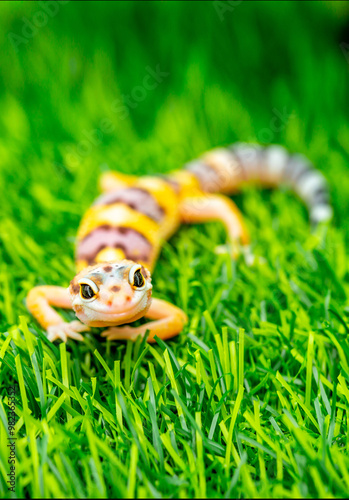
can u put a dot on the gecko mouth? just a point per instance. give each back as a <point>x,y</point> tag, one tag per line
<point>123,312</point>
<point>93,317</point>
<point>111,313</point>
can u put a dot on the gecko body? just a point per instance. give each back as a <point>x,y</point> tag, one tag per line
<point>120,236</point>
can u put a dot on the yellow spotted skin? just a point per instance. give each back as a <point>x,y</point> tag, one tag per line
<point>163,194</point>
<point>168,199</point>
<point>189,184</point>
<point>119,215</point>
<point>138,214</point>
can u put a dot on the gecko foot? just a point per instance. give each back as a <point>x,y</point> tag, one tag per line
<point>63,331</point>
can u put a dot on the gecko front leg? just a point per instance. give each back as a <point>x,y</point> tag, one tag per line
<point>39,302</point>
<point>169,322</point>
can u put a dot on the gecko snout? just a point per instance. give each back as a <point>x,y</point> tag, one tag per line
<point>118,296</point>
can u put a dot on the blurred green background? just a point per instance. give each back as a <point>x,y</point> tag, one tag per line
<point>230,70</point>
<point>143,87</point>
<point>74,97</point>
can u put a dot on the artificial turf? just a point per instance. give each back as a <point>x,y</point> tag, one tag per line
<point>252,399</point>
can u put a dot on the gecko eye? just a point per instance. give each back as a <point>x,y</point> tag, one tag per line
<point>136,278</point>
<point>88,289</point>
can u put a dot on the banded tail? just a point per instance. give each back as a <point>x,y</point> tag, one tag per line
<point>226,169</point>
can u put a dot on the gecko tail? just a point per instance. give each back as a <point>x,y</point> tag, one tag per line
<point>226,170</point>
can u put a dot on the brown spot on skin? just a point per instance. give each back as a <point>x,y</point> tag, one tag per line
<point>115,288</point>
<point>107,269</point>
<point>78,309</point>
<point>75,287</point>
<point>138,199</point>
<point>134,244</point>
<point>109,303</point>
<point>128,298</point>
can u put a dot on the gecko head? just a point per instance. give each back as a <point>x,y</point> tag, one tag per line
<point>111,294</point>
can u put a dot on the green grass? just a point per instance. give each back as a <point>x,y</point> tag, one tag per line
<point>252,399</point>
